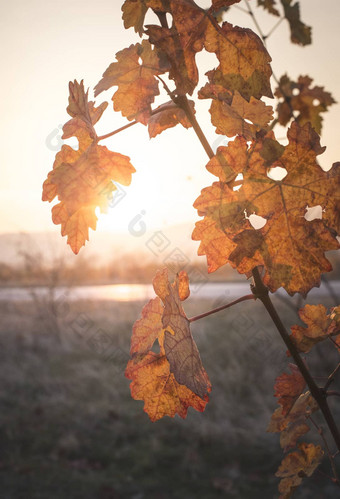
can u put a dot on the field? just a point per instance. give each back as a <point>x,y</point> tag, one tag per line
<point>69,428</point>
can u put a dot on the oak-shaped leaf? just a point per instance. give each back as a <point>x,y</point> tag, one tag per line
<point>83,178</point>
<point>134,73</point>
<point>134,12</point>
<point>289,247</point>
<point>269,5</point>
<point>244,63</point>
<point>167,116</point>
<point>181,42</point>
<point>288,388</point>
<point>170,381</point>
<point>302,101</point>
<point>300,33</point>
<point>297,465</point>
<point>320,325</point>
<point>240,117</point>
<point>220,4</point>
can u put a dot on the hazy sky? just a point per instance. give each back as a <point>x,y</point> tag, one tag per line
<point>47,43</point>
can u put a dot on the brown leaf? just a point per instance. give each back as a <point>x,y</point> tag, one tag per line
<point>243,60</point>
<point>181,43</point>
<point>167,382</point>
<point>169,115</point>
<point>300,33</point>
<point>269,5</point>
<point>288,387</point>
<point>320,326</point>
<point>297,465</point>
<point>302,101</point>
<point>134,73</point>
<point>240,117</point>
<point>179,345</point>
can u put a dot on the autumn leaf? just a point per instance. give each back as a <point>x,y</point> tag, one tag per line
<point>179,345</point>
<point>83,179</point>
<point>293,424</point>
<point>269,5</point>
<point>320,326</point>
<point>153,382</point>
<point>289,247</point>
<point>136,81</point>
<point>300,33</point>
<point>240,117</point>
<point>167,116</point>
<point>302,101</point>
<point>174,379</point>
<point>297,465</point>
<point>134,12</point>
<point>244,63</point>
<point>219,4</point>
<point>288,387</point>
<point>181,42</point>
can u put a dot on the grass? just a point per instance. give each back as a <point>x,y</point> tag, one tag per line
<point>69,428</point>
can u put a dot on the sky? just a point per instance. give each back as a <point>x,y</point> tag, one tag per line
<point>45,44</point>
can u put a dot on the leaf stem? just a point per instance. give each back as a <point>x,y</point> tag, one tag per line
<point>330,456</point>
<point>128,125</point>
<point>222,307</point>
<point>331,377</point>
<point>261,292</point>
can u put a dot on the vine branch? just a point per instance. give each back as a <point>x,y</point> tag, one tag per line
<point>222,307</point>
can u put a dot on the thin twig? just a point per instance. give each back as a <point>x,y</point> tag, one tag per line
<point>330,456</point>
<point>223,307</point>
<point>331,377</point>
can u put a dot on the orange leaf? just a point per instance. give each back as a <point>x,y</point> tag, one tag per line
<point>219,4</point>
<point>153,382</point>
<point>289,247</point>
<point>244,61</point>
<point>303,407</point>
<point>174,379</point>
<point>137,85</point>
<point>288,387</point>
<point>233,119</point>
<point>169,115</point>
<point>134,12</point>
<point>297,465</point>
<point>320,326</point>
<point>307,102</point>
<point>181,42</point>
<point>82,179</point>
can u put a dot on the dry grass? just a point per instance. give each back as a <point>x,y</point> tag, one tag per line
<point>69,428</point>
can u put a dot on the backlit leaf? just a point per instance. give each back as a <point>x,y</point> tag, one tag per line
<point>174,379</point>
<point>153,382</point>
<point>288,387</point>
<point>134,12</point>
<point>320,326</point>
<point>243,60</point>
<point>135,75</point>
<point>240,117</point>
<point>290,248</point>
<point>302,101</point>
<point>181,42</point>
<point>169,116</point>
<point>83,179</point>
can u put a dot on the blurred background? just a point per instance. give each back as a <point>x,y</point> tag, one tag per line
<point>68,426</point>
